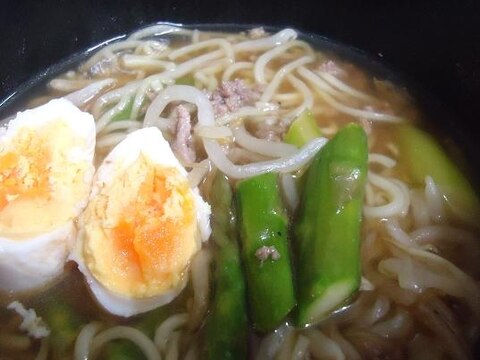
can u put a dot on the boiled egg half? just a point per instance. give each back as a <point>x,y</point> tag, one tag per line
<point>142,226</point>
<point>46,170</point>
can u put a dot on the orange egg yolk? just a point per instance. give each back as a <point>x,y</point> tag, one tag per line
<point>153,234</point>
<point>24,170</point>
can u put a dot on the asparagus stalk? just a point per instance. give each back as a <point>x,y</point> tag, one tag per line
<point>422,156</point>
<point>303,129</point>
<point>263,230</point>
<point>226,328</point>
<point>327,231</point>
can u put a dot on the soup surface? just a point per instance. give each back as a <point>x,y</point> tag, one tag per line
<point>232,194</point>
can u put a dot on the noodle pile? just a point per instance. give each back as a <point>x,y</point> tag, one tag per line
<point>420,296</point>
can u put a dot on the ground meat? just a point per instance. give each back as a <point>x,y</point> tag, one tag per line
<point>332,68</point>
<point>231,96</point>
<point>257,33</point>
<point>105,67</point>
<point>183,144</point>
<point>266,252</point>
<point>367,125</point>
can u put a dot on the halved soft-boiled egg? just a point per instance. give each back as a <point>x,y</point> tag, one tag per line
<point>142,226</point>
<point>46,170</point>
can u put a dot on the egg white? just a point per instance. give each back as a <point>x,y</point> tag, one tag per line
<point>147,142</point>
<point>29,260</point>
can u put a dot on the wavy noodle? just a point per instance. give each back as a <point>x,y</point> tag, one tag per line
<point>67,85</point>
<point>434,200</point>
<point>208,82</point>
<point>262,146</point>
<point>284,165</point>
<point>277,39</point>
<point>168,327</point>
<point>397,194</point>
<point>147,63</point>
<point>173,347</point>
<point>273,85</point>
<point>222,44</point>
<point>198,172</point>
<point>84,339</point>
<point>398,326</point>
<point>419,210</point>
<point>235,67</point>
<point>109,51</point>
<point>346,347</point>
<point>285,350</point>
<point>271,344</point>
<point>445,236</point>
<point>300,350</point>
<point>307,99</point>
<point>423,269</point>
<point>323,347</point>
<point>262,61</point>
<point>200,277</point>
<point>113,96</point>
<point>125,332</point>
<point>83,96</point>
<point>247,111</point>
<point>438,318</point>
<point>140,95</point>
<point>346,89</point>
<point>374,116</point>
<point>43,351</point>
<point>381,307</point>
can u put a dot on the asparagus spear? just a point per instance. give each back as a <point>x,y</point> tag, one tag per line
<point>422,157</point>
<point>327,231</point>
<point>263,231</point>
<point>303,129</point>
<point>226,328</point>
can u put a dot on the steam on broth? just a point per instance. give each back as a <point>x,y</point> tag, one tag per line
<point>250,121</point>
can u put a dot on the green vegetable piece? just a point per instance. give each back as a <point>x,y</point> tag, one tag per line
<point>303,129</point>
<point>122,350</point>
<point>327,231</point>
<point>185,80</point>
<point>227,325</point>
<point>263,231</point>
<point>64,325</point>
<point>422,156</point>
<point>125,113</point>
